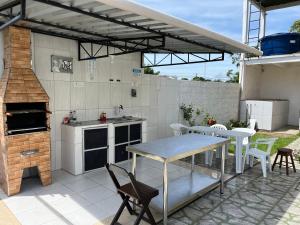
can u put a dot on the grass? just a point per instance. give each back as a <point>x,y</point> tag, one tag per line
<point>282,141</point>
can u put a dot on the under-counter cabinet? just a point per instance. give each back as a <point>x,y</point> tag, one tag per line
<point>95,151</point>
<point>90,145</point>
<point>126,135</point>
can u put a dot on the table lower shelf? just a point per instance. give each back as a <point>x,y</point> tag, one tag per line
<point>182,191</point>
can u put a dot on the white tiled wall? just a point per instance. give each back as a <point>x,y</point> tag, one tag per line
<point>158,98</point>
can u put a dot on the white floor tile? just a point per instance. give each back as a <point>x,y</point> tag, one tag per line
<point>54,192</point>
<point>58,222</point>
<point>89,216</point>
<point>36,216</point>
<point>81,185</point>
<point>18,204</point>
<point>110,206</point>
<point>69,204</point>
<point>97,194</point>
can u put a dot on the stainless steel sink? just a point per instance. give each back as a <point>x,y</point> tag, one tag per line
<point>123,119</point>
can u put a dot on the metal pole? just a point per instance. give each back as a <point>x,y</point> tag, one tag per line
<point>133,171</point>
<point>193,163</point>
<point>239,154</point>
<point>165,194</point>
<point>262,23</point>
<point>222,169</point>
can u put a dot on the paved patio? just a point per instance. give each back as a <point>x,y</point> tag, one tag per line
<point>91,199</point>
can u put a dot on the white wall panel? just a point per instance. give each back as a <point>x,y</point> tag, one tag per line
<point>158,98</point>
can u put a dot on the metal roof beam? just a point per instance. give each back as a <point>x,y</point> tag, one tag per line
<point>95,15</point>
<point>9,5</point>
<point>107,38</point>
<point>20,16</point>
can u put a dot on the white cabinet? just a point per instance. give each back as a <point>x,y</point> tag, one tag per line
<point>269,114</point>
<point>75,152</point>
<point>91,145</point>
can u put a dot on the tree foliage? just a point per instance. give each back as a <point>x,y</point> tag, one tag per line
<point>199,78</point>
<point>295,26</point>
<point>149,70</point>
<point>234,76</point>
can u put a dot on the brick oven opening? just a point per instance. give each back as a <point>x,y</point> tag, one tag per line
<point>26,118</point>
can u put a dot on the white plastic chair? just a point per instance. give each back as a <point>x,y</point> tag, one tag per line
<point>178,128</point>
<point>252,124</point>
<point>210,153</point>
<point>263,156</point>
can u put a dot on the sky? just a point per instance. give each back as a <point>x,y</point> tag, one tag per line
<point>224,17</point>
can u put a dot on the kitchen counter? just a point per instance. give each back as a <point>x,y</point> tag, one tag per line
<point>117,120</point>
<point>90,145</point>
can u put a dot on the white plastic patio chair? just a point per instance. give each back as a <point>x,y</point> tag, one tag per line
<point>263,156</point>
<point>252,124</point>
<point>210,154</point>
<point>178,128</point>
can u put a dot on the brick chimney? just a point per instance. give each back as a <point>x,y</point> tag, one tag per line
<point>19,83</point>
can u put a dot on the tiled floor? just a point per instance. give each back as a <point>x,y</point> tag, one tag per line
<point>249,199</point>
<point>90,199</point>
<point>85,199</point>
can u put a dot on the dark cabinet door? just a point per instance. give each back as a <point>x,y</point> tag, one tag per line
<point>135,132</point>
<point>95,159</point>
<point>95,138</point>
<point>121,134</point>
<point>120,153</point>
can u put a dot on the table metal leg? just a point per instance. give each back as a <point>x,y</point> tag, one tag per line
<point>239,154</point>
<point>165,190</point>
<point>133,166</point>
<point>193,163</point>
<point>133,171</point>
<point>207,157</point>
<point>222,169</point>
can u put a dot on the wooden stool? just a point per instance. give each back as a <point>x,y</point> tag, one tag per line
<point>285,152</point>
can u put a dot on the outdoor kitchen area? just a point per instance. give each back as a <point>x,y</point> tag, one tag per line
<point>88,137</point>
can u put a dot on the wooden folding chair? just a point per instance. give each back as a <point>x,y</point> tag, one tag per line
<point>133,192</point>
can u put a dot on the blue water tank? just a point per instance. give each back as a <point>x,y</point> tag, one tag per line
<point>280,44</point>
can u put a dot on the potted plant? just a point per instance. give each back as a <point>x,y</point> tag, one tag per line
<point>209,120</point>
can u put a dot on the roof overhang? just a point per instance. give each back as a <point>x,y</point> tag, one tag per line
<point>118,23</point>
<point>269,5</point>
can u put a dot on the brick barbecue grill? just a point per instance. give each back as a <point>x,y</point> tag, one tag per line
<point>24,115</point>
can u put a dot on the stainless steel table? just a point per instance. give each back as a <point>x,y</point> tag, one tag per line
<point>168,150</point>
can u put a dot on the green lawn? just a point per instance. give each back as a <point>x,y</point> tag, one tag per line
<point>282,141</point>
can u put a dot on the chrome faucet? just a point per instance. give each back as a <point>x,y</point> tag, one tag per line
<point>118,110</point>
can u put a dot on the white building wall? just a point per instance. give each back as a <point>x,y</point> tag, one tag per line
<point>90,93</point>
<point>251,82</point>
<point>280,81</point>
<point>283,82</point>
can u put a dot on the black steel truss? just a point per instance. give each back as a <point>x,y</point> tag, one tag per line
<point>92,45</point>
<point>120,47</point>
<point>126,24</point>
<point>171,59</point>
<point>13,19</point>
